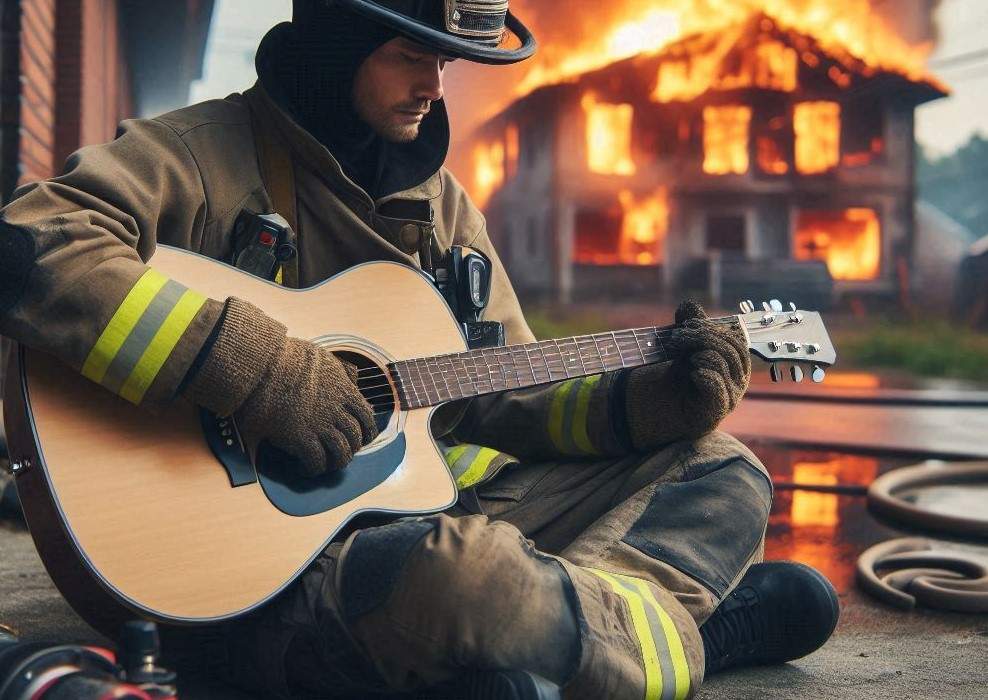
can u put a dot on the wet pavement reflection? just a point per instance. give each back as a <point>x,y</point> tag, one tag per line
<point>825,530</point>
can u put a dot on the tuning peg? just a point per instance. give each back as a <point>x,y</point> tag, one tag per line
<point>796,372</point>
<point>792,307</point>
<point>818,374</point>
<point>746,307</point>
<point>775,373</point>
<point>776,305</point>
<point>766,307</point>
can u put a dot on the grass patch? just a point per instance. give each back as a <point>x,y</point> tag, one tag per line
<point>547,324</point>
<point>936,349</point>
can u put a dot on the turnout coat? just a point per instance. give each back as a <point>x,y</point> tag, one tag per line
<point>76,284</point>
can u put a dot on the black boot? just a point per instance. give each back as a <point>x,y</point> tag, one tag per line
<point>496,685</point>
<point>780,611</point>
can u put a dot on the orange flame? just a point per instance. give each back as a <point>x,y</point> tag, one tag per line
<point>725,139</point>
<point>849,241</point>
<point>817,127</point>
<point>608,137</point>
<point>770,65</point>
<point>632,232</point>
<point>488,171</point>
<point>770,158</point>
<point>644,228</point>
<point>512,149</point>
<point>847,28</point>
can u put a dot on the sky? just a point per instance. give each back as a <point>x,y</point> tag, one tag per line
<point>941,126</point>
<point>944,125</point>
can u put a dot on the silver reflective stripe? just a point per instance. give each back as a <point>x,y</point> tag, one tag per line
<point>143,333</point>
<point>464,461</point>
<point>661,644</point>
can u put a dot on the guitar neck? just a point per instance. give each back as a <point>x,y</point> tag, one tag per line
<point>430,381</point>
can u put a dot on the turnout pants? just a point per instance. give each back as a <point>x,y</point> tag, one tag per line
<point>594,574</point>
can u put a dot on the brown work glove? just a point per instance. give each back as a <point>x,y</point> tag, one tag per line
<point>689,396</point>
<point>287,392</point>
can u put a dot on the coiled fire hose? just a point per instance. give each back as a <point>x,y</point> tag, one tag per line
<point>913,571</point>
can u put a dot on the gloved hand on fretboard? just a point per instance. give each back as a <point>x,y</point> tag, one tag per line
<point>284,391</point>
<point>689,396</point>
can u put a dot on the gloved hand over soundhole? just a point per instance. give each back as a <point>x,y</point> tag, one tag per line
<point>286,392</point>
<point>690,395</point>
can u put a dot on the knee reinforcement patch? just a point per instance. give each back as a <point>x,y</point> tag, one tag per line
<point>374,562</point>
<point>709,527</point>
<point>17,257</point>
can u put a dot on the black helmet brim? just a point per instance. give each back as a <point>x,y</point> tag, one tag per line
<point>449,44</point>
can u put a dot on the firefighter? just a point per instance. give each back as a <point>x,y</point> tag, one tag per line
<point>609,539</point>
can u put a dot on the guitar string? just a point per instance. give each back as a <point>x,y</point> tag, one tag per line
<point>557,361</point>
<point>376,371</point>
<point>558,366</point>
<point>554,362</point>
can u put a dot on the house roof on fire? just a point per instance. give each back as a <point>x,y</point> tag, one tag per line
<point>757,54</point>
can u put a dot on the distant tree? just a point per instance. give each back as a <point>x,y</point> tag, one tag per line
<point>957,184</point>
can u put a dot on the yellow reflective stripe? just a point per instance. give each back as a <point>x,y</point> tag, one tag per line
<point>676,650</point>
<point>454,453</point>
<point>122,323</point>
<point>650,655</point>
<point>279,277</point>
<point>161,346</point>
<point>557,411</point>
<point>581,437</point>
<point>478,467</point>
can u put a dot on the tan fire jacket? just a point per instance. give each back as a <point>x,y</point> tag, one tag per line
<point>85,294</point>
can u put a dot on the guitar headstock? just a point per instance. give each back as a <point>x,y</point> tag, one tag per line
<point>788,335</point>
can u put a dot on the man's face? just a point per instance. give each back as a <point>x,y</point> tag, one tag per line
<point>396,86</point>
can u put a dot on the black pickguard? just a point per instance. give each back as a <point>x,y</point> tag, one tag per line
<point>293,494</point>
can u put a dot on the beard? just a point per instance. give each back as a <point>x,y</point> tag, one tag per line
<point>390,122</point>
<point>397,133</point>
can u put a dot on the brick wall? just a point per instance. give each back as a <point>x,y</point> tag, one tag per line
<point>27,92</point>
<point>37,70</point>
<point>93,89</point>
<point>63,84</point>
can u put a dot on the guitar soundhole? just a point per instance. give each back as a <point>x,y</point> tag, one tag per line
<point>372,380</point>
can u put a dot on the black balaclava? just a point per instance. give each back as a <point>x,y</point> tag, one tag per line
<point>309,67</point>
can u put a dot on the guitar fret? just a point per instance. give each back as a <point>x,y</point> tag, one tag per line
<point>531,366</point>
<point>545,360</point>
<point>600,357</point>
<point>562,358</point>
<point>449,372</point>
<point>474,378</point>
<point>579,355</point>
<point>433,380</point>
<point>462,374</point>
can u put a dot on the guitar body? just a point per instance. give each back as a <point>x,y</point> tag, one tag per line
<point>133,512</point>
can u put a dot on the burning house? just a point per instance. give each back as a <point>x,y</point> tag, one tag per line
<point>751,157</point>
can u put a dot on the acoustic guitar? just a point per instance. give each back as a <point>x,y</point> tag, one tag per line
<point>163,515</point>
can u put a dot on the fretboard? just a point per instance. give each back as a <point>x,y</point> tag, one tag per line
<point>429,381</point>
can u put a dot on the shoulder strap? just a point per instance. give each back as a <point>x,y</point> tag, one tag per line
<point>278,175</point>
